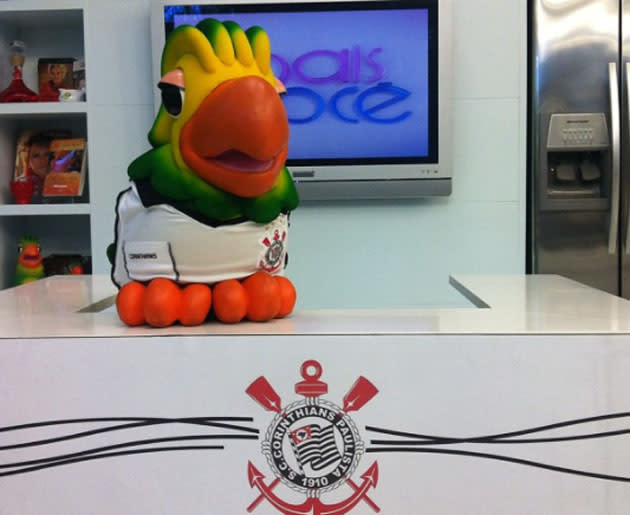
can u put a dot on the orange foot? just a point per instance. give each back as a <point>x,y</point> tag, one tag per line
<point>130,303</point>
<point>196,302</point>
<point>288,296</point>
<point>259,297</point>
<point>163,303</point>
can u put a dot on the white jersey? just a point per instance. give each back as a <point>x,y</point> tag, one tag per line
<point>161,241</point>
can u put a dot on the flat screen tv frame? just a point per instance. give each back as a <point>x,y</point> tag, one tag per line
<point>346,179</point>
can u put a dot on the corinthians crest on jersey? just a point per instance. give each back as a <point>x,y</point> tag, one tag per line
<point>312,445</point>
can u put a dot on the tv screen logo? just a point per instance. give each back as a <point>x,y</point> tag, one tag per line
<point>317,68</point>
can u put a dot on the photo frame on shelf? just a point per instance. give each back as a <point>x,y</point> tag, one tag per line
<point>32,156</point>
<point>54,73</point>
<point>66,169</point>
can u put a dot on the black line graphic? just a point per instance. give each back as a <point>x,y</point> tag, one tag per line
<point>237,431</point>
<point>157,420</point>
<point>422,443</point>
<point>499,436</point>
<point>111,455</point>
<point>503,441</point>
<point>501,458</point>
<point>148,441</point>
<point>142,422</point>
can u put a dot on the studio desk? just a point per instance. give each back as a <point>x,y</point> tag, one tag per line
<point>519,404</point>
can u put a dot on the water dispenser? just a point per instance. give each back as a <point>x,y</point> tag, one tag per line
<point>576,163</point>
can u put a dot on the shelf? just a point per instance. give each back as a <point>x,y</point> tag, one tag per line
<point>44,209</point>
<point>38,15</point>
<point>38,109</point>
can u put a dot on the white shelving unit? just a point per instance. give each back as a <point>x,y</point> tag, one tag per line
<point>44,209</point>
<point>27,110</point>
<point>49,29</point>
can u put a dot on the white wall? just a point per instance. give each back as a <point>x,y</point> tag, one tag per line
<point>354,254</point>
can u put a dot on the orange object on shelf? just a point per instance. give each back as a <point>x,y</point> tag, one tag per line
<point>62,184</point>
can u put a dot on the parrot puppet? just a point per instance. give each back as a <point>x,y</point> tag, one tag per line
<point>205,221</point>
<point>29,266</point>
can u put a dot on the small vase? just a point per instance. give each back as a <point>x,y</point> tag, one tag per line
<point>22,191</point>
<point>17,90</point>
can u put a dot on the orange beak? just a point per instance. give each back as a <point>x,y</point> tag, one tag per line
<point>30,256</point>
<point>237,140</point>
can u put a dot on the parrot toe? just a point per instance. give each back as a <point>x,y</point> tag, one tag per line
<point>130,303</point>
<point>162,302</point>
<point>288,296</point>
<point>196,303</point>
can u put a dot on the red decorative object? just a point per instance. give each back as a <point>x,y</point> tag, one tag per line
<point>17,90</point>
<point>22,191</point>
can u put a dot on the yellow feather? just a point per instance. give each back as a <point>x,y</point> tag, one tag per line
<point>189,40</point>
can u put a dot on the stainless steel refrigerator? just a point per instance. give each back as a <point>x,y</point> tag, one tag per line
<point>579,141</point>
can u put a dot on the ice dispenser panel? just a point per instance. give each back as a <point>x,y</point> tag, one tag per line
<point>576,162</point>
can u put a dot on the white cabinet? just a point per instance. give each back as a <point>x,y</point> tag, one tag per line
<point>49,29</point>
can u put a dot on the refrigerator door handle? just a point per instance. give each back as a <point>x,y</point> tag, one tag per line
<point>627,246</point>
<point>615,122</point>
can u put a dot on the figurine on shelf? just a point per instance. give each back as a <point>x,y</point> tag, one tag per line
<point>29,266</point>
<point>17,90</point>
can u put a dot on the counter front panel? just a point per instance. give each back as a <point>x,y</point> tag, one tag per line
<point>405,424</point>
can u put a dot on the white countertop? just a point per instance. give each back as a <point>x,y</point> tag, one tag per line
<point>500,304</point>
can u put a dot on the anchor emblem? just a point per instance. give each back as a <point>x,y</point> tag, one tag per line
<point>313,446</point>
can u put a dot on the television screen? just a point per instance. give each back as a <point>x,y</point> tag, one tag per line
<point>368,89</point>
<point>358,79</point>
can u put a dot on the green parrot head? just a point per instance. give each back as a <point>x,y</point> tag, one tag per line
<point>223,123</point>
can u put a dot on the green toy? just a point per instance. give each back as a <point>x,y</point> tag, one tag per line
<point>204,223</point>
<point>29,266</point>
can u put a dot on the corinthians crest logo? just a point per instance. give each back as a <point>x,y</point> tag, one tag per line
<point>312,446</point>
<point>274,252</point>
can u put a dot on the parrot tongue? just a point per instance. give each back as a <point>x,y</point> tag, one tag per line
<point>235,160</point>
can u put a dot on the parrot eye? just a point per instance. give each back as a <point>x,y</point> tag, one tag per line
<point>172,98</point>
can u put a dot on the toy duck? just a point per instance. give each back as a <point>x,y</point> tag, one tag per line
<point>29,267</point>
<point>203,227</point>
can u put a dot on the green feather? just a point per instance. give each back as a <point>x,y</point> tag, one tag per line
<point>25,240</point>
<point>282,197</point>
<point>25,275</point>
